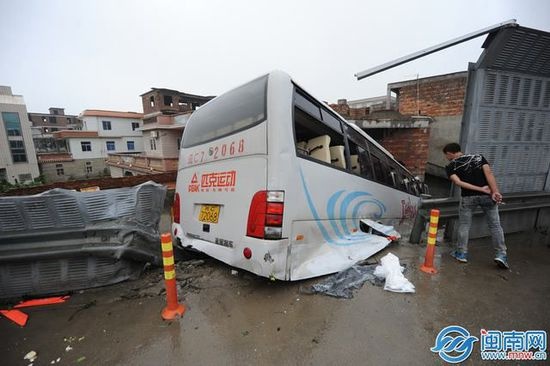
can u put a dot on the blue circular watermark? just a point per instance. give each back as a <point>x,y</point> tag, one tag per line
<point>454,344</point>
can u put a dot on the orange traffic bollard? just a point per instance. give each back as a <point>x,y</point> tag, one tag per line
<point>173,309</point>
<point>428,265</point>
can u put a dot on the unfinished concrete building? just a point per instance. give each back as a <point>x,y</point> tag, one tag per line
<point>166,112</point>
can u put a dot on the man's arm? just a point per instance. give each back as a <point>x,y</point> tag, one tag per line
<point>456,180</point>
<point>495,193</point>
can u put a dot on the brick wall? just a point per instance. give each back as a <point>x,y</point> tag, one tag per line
<point>102,183</point>
<point>410,147</point>
<point>341,109</point>
<point>435,97</point>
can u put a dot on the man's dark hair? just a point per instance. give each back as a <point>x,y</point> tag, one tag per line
<point>452,148</point>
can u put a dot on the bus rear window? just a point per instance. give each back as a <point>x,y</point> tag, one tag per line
<point>229,113</point>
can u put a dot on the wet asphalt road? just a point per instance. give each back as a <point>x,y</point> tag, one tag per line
<point>246,320</point>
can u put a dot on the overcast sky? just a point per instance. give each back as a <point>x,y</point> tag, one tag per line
<point>104,54</point>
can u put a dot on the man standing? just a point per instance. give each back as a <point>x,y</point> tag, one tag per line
<point>478,187</point>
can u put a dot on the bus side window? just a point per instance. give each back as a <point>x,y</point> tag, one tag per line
<point>378,170</point>
<point>354,160</point>
<point>365,163</point>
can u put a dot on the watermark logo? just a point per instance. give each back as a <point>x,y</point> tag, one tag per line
<point>513,345</point>
<point>454,344</point>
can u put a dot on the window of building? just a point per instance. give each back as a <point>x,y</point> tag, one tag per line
<point>88,167</point>
<point>168,100</point>
<point>56,112</point>
<point>59,169</point>
<point>44,119</point>
<point>52,119</point>
<point>110,145</point>
<point>152,100</point>
<point>69,120</point>
<point>135,126</point>
<point>130,145</point>
<point>25,178</point>
<point>17,148</point>
<point>12,123</point>
<point>86,145</point>
<point>153,144</point>
<point>3,175</point>
<point>179,143</point>
<point>106,125</point>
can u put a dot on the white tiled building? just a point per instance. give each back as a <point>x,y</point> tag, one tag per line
<point>103,133</point>
<point>17,155</point>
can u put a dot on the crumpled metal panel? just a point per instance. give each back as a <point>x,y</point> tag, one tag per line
<point>63,240</point>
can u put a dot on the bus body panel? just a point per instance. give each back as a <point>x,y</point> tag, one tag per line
<point>325,225</point>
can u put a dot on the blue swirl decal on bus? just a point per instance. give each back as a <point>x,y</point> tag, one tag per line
<point>352,201</point>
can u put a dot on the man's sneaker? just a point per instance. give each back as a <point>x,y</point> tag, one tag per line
<point>460,256</point>
<point>502,261</point>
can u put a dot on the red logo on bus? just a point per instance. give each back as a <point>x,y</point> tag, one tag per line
<point>214,182</point>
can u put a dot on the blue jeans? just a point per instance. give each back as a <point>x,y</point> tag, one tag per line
<point>490,208</point>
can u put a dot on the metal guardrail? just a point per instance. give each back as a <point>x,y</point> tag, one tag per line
<point>63,240</point>
<point>448,208</point>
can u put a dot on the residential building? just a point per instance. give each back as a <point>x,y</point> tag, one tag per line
<point>166,112</point>
<point>102,132</point>
<point>51,152</point>
<point>18,162</point>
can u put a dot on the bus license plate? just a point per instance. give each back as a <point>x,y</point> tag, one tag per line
<point>209,213</point>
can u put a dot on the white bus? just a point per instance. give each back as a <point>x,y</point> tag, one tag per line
<point>275,182</point>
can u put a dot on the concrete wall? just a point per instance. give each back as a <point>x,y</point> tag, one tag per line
<point>443,130</point>
<point>119,126</point>
<point>74,170</point>
<point>99,146</point>
<point>168,143</point>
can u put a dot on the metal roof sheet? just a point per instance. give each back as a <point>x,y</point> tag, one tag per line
<point>517,49</point>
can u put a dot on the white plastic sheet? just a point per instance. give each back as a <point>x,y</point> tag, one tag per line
<point>392,271</point>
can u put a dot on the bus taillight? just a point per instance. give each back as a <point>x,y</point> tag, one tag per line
<point>176,209</point>
<point>265,217</point>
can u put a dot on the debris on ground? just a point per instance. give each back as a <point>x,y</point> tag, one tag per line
<point>20,318</point>
<point>343,283</point>
<point>16,316</point>
<point>392,272</point>
<point>31,356</point>
<point>83,307</point>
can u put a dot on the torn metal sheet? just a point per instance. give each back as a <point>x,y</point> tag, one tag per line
<point>377,228</point>
<point>309,259</point>
<point>64,240</point>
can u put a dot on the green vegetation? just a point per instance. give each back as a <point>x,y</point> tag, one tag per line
<point>6,186</point>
